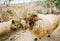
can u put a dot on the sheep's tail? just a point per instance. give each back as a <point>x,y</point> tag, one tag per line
<point>57,21</point>
<point>58,17</point>
<point>57,25</point>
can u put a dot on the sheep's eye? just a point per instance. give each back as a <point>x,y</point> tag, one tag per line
<point>13,22</point>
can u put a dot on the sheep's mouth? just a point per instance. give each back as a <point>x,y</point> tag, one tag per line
<point>31,24</point>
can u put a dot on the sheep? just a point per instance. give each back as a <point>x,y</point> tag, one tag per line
<point>45,26</point>
<point>41,25</point>
<point>5,27</point>
<point>23,24</point>
<point>6,23</point>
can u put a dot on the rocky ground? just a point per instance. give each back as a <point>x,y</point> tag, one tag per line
<point>21,35</point>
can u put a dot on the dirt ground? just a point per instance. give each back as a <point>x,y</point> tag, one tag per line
<point>21,35</point>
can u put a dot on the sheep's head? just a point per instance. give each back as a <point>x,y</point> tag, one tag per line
<point>30,20</point>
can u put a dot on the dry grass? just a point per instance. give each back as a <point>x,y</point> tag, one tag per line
<point>21,10</point>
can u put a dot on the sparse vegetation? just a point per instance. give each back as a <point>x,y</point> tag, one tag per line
<point>38,10</point>
<point>15,11</point>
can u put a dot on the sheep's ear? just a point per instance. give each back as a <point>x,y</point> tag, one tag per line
<point>13,22</point>
<point>34,15</point>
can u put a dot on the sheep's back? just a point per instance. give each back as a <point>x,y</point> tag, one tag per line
<point>5,27</point>
<point>46,24</point>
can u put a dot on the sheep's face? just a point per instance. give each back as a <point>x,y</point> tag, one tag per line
<point>30,20</point>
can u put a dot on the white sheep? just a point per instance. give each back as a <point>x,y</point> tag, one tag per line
<point>46,25</point>
<point>5,27</point>
<point>42,24</point>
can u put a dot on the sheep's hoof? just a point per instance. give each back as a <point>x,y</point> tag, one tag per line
<point>48,36</point>
<point>39,38</point>
<point>35,39</point>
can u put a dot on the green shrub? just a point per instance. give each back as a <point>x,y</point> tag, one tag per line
<point>10,12</point>
<point>38,10</point>
<point>25,11</point>
<point>53,12</point>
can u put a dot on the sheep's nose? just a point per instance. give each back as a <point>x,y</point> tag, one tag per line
<point>24,18</point>
<point>13,22</point>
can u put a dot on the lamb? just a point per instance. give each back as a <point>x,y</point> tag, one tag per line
<point>41,25</point>
<point>5,27</point>
<point>23,24</point>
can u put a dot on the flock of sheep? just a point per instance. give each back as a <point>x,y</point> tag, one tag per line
<point>38,24</point>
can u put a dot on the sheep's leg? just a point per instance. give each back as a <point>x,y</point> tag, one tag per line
<point>48,36</point>
<point>35,39</point>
